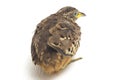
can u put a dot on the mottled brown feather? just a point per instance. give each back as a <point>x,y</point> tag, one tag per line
<point>55,41</point>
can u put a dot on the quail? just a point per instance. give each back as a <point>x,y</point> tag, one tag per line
<point>56,40</point>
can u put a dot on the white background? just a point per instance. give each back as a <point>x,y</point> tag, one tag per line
<point>100,44</point>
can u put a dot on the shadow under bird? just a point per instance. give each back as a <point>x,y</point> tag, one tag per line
<point>56,40</point>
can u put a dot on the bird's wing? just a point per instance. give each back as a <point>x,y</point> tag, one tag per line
<point>65,38</point>
<point>39,47</point>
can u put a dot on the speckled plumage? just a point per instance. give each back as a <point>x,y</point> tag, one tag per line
<point>55,41</point>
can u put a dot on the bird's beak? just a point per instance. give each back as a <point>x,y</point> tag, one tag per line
<point>80,14</point>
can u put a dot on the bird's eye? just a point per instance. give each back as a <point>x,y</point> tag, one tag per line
<point>75,14</point>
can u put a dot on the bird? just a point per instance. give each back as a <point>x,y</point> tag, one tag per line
<point>56,40</point>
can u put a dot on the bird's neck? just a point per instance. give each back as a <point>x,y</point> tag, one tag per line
<point>69,19</point>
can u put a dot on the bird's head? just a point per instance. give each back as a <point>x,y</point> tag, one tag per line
<point>70,13</point>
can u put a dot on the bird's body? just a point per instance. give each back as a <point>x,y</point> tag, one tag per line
<point>55,41</point>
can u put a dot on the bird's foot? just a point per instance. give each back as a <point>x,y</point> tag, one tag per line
<point>73,60</point>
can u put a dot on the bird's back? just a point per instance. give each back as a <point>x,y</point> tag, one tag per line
<point>39,41</point>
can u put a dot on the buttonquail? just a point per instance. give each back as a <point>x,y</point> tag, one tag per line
<point>56,40</point>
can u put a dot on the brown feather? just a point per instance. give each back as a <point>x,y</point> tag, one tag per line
<point>55,41</point>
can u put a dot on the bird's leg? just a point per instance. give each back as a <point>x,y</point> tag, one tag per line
<point>73,60</point>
